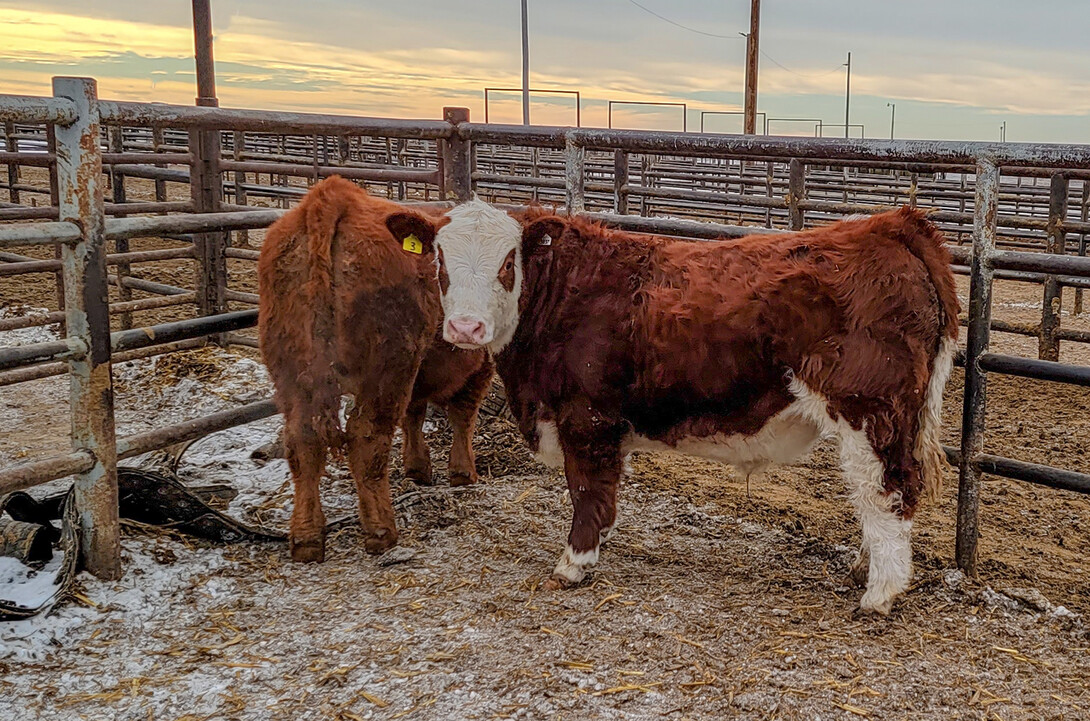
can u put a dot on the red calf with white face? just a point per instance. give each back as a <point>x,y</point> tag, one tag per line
<point>479,275</point>
<point>745,352</point>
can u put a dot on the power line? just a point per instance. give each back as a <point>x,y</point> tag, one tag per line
<point>771,59</point>
<point>801,75</point>
<point>684,27</point>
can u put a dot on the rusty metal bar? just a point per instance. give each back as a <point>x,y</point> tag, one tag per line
<point>46,370</point>
<point>243,253</point>
<point>784,148</point>
<point>38,234</point>
<point>20,355</point>
<point>242,340</point>
<point>262,121</point>
<point>1039,369</point>
<point>79,176</point>
<point>129,306</point>
<point>121,245</point>
<point>26,475</point>
<point>324,171</point>
<point>238,145</point>
<point>973,413</point>
<point>456,160</point>
<point>1048,345</point>
<point>193,223</point>
<point>206,190</point>
<point>196,428</point>
<point>620,182</point>
<point>678,227</point>
<point>118,157</point>
<point>34,110</point>
<point>574,178</point>
<point>796,193</point>
<point>51,213</point>
<point>240,297</point>
<point>1042,263</point>
<point>118,259</point>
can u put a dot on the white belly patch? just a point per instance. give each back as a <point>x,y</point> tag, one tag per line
<point>786,438</point>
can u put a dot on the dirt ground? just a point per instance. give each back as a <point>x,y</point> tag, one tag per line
<point>713,600</point>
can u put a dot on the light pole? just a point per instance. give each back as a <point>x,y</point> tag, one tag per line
<point>1003,132</point>
<point>848,95</point>
<point>892,117</point>
<point>525,66</point>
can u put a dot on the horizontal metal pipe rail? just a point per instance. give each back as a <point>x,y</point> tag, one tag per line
<point>214,118</point>
<point>70,348</point>
<point>47,370</point>
<point>127,306</point>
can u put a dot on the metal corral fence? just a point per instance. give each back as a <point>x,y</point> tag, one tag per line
<point>776,181</point>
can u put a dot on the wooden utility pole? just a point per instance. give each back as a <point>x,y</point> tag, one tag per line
<point>202,44</point>
<point>751,67</point>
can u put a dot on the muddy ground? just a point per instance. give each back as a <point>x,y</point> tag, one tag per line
<point>713,600</point>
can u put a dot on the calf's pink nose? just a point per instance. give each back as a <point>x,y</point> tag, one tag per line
<point>465,330</point>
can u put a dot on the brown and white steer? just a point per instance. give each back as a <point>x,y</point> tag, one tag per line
<point>350,307</point>
<point>743,351</point>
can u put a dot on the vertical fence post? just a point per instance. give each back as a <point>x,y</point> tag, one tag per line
<point>206,190</point>
<point>156,146</point>
<point>11,144</point>
<point>457,170</point>
<point>1048,346</point>
<point>620,182</point>
<point>1084,214</point>
<point>54,201</point>
<point>574,177</point>
<point>121,245</point>
<point>769,177</point>
<point>87,312</point>
<point>238,145</point>
<point>796,192</point>
<point>985,217</point>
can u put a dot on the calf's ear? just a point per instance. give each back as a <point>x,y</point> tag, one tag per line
<point>415,232</point>
<point>543,232</point>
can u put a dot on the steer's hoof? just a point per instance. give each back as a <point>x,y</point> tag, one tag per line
<point>872,607</point>
<point>462,479</point>
<point>420,476</point>
<point>380,542</point>
<point>307,551</point>
<point>557,582</point>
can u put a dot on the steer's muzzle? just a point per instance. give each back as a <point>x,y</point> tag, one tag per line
<point>466,332</point>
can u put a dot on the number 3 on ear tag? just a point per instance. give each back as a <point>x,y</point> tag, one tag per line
<point>412,244</point>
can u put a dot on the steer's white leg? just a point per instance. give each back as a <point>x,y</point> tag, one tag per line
<point>572,566</point>
<point>886,536</point>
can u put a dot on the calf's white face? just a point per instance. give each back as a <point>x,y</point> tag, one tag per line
<point>480,275</point>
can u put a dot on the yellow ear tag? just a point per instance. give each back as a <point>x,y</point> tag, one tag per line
<point>412,244</point>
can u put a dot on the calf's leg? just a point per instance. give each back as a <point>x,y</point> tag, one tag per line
<point>886,534</point>
<point>306,458</point>
<point>370,435</point>
<point>462,412</point>
<point>414,449</point>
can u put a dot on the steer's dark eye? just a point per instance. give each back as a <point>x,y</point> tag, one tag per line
<point>507,272</point>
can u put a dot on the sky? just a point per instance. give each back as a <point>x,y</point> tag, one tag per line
<point>955,69</point>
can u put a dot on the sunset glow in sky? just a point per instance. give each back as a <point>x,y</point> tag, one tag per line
<point>954,69</point>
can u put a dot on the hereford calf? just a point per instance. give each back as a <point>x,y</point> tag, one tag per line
<point>743,351</point>
<point>350,307</point>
